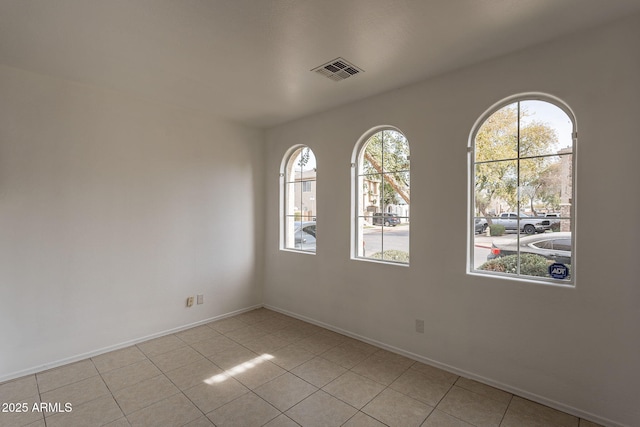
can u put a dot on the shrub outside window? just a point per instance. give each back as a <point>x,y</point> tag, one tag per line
<point>299,199</point>
<point>522,191</point>
<point>382,198</point>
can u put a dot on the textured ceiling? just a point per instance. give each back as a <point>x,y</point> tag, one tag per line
<point>250,60</point>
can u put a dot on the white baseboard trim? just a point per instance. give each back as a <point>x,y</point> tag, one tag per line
<point>488,381</point>
<point>78,357</point>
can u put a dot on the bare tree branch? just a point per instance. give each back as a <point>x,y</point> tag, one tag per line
<point>387,177</point>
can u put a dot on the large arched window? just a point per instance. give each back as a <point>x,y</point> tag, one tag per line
<point>298,198</point>
<point>522,186</point>
<point>381,197</point>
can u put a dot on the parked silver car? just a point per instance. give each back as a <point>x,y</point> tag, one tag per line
<point>305,235</point>
<point>553,246</point>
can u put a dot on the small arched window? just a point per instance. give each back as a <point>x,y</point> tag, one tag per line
<point>382,197</point>
<point>522,186</point>
<point>298,198</point>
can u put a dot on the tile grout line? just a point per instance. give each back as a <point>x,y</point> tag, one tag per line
<point>301,333</point>
<point>44,413</point>
<point>226,370</point>
<point>175,385</point>
<point>319,355</point>
<point>110,392</point>
<point>507,409</point>
<point>180,391</point>
<point>252,390</point>
<point>35,377</point>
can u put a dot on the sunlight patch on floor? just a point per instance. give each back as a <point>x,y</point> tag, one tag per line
<point>238,369</point>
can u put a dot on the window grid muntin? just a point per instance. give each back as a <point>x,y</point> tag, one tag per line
<point>472,151</point>
<point>289,198</point>
<point>360,176</point>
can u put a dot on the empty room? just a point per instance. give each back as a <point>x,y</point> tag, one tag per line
<point>319,213</point>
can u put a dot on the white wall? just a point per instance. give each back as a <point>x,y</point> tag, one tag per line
<point>113,210</point>
<point>576,349</point>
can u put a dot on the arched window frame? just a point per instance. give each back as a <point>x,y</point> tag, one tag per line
<point>471,150</point>
<point>358,252</point>
<point>292,238</point>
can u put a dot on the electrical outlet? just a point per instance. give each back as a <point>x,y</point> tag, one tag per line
<point>420,326</point>
<point>200,299</point>
<point>189,301</point>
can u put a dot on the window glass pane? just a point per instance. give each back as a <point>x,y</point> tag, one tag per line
<point>305,239</point>
<point>310,229</point>
<point>532,184</point>
<point>372,155</point>
<point>544,129</point>
<point>371,242</point>
<point>396,243</point>
<point>404,182</point>
<point>390,197</point>
<point>383,199</point>
<point>496,204</point>
<point>497,138</point>
<point>531,196</point>
<point>395,150</point>
<point>546,189</point>
<point>295,199</point>
<point>294,168</point>
<point>496,187</point>
<point>307,163</point>
<point>395,189</point>
<point>371,196</point>
<point>565,166</point>
<point>307,201</point>
<point>289,232</point>
<point>539,252</point>
<point>300,200</point>
<point>481,244</point>
<point>360,249</point>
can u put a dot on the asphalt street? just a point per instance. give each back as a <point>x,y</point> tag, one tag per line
<point>379,237</point>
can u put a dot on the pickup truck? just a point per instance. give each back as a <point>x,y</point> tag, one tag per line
<point>552,217</point>
<point>528,224</point>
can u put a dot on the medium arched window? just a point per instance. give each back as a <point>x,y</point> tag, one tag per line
<point>381,197</point>
<point>522,186</point>
<point>298,198</point>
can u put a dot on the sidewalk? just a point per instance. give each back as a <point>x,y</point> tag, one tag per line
<point>484,241</point>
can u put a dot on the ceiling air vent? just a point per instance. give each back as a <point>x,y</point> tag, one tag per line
<point>338,69</point>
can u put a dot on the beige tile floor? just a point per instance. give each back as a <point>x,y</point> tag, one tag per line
<point>262,368</point>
